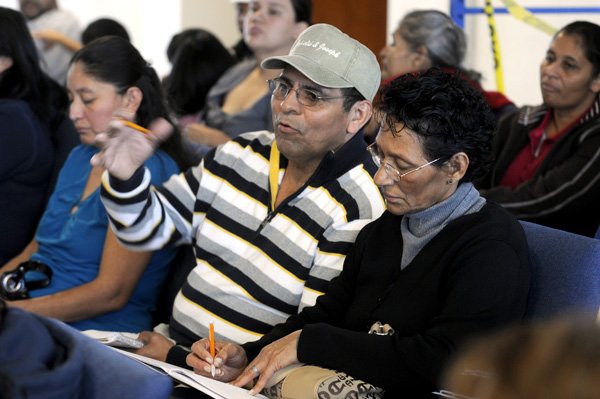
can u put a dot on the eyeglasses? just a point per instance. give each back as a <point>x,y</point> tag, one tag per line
<point>309,98</point>
<point>391,171</point>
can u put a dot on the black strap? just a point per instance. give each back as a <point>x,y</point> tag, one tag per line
<point>14,285</point>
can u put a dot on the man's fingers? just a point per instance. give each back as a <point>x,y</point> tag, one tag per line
<point>97,159</point>
<point>124,114</point>
<point>161,128</point>
<point>145,337</point>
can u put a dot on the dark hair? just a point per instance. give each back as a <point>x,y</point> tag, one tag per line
<point>116,61</point>
<point>25,80</point>
<point>589,33</point>
<point>351,97</point>
<point>447,114</point>
<point>198,60</point>
<point>103,27</point>
<point>303,10</point>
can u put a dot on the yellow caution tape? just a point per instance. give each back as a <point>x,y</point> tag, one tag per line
<point>489,11</point>
<point>523,15</point>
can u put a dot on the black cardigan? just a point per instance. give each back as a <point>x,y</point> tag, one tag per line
<point>471,278</point>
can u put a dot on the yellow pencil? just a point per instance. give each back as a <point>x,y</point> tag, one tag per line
<point>211,340</point>
<point>135,126</point>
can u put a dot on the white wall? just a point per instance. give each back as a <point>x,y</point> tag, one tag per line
<point>151,24</point>
<point>522,47</point>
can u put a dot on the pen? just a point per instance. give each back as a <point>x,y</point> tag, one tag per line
<point>135,126</point>
<point>211,340</point>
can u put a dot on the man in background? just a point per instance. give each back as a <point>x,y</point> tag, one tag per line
<point>44,15</point>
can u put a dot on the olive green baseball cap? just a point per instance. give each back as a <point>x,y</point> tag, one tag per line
<point>331,58</point>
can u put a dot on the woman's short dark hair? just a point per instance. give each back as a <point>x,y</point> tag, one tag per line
<point>445,112</point>
<point>198,59</point>
<point>116,61</point>
<point>103,27</point>
<point>303,10</point>
<point>589,33</point>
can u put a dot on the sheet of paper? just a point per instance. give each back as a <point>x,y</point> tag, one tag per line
<point>213,388</point>
<point>113,338</point>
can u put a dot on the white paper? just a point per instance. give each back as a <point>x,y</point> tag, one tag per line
<point>213,388</point>
<point>113,338</point>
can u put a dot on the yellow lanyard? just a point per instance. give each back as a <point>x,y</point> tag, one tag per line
<point>274,173</point>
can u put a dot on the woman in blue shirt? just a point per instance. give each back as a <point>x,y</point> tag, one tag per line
<point>96,283</point>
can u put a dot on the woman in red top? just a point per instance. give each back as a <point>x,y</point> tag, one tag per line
<point>547,158</point>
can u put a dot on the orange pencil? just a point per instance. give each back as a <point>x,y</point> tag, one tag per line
<point>211,340</point>
<point>135,126</point>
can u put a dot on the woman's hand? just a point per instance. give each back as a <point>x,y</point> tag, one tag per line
<point>156,346</point>
<point>271,358</point>
<point>229,361</point>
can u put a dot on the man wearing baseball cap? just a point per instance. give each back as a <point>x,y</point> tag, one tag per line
<point>270,216</point>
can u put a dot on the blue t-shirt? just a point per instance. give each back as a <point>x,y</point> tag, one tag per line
<point>72,244</point>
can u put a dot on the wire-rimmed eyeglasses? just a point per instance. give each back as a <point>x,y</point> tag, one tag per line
<point>391,170</point>
<point>309,98</point>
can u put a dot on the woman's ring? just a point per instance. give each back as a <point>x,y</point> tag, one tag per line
<point>255,370</point>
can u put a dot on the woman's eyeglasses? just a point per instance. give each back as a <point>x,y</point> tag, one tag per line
<point>391,170</point>
<point>309,98</point>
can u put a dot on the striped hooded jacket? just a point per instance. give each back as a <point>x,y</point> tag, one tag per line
<point>255,266</point>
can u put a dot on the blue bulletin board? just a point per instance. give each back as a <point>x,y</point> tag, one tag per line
<point>458,11</point>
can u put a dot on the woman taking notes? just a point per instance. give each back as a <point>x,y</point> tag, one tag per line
<point>438,267</point>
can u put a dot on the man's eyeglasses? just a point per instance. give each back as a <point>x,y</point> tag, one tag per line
<point>391,170</point>
<point>309,98</point>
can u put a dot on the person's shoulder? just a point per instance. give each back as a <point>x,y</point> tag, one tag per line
<point>263,138</point>
<point>384,222</point>
<point>60,15</point>
<point>234,74</point>
<point>496,223</point>
<point>17,115</point>
<point>58,19</point>
<point>258,142</point>
<point>11,106</point>
<point>80,153</point>
<point>243,66</point>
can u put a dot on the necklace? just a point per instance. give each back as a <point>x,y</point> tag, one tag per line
<point>538,149</point>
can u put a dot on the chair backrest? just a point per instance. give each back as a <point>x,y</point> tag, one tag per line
<point>179,268</point>
<point>565,272</point>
